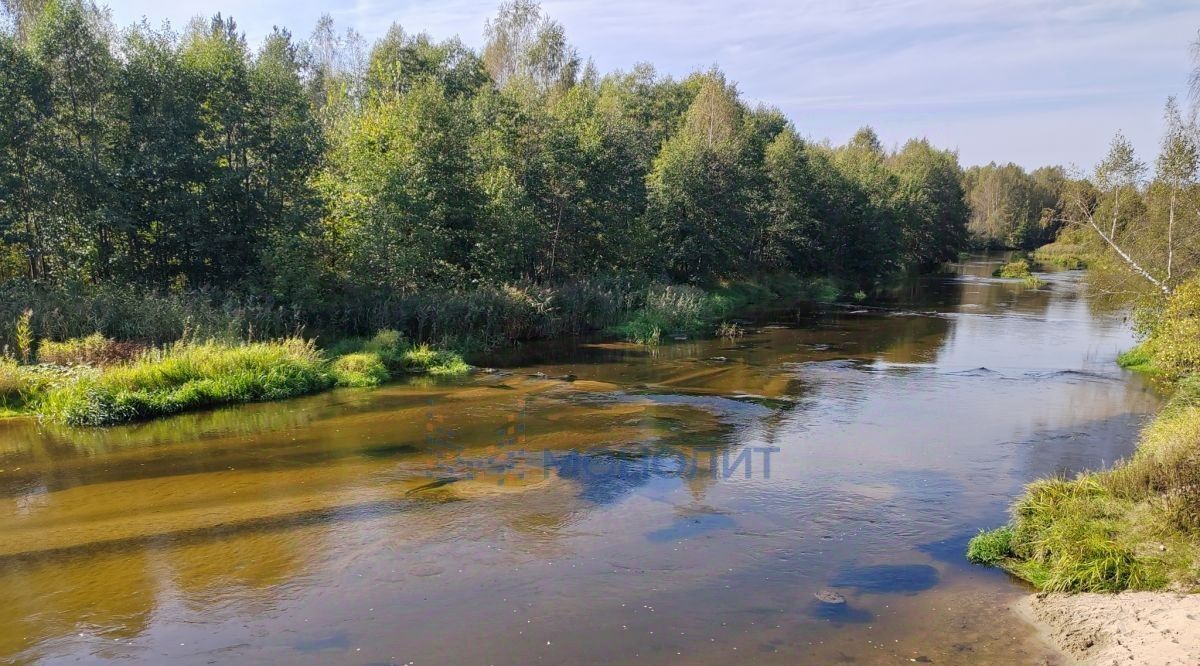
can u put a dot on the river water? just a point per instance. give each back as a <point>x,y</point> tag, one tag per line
<point>587,503</point>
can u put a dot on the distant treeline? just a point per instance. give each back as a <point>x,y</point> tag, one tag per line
<point>318,169</point>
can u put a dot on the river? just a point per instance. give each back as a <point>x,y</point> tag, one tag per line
<point>588,502</point>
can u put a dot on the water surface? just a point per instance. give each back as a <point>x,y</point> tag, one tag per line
<point>588,502</point>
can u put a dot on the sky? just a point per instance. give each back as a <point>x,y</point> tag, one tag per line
<point>1033,82</point>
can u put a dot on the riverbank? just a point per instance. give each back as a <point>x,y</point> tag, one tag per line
<point>101,381</point>
<point>1135,526</point>
<point>1128,628</point>
<point>96,381</point>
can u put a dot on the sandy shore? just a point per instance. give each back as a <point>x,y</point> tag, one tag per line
<point>1143,628</point>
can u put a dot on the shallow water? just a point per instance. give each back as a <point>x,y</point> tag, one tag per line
<point>684,504</point>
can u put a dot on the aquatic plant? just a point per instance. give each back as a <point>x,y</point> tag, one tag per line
<point>360,370</point>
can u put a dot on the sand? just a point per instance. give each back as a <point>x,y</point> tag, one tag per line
<point>1142,628</point>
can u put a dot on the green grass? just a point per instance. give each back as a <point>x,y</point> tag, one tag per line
<point>423,359</point>
<point>1139,359</point>
<point>1063,255</point>
<point>189,376</point>
<point>360,370</point>
<point>1018,269</point>
<point>684,310</point>
<point>392,353</point>
<point>991,547</point>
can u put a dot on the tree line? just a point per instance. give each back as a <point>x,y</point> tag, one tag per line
<point>319,168</point>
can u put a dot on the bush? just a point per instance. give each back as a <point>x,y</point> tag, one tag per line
<point>673,310</point>
<point>94,350</point>
<point>17,386</point>
<point>359,370</point>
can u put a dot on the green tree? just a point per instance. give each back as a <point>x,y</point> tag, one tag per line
<point>695,207</point>
<point>26,181</point>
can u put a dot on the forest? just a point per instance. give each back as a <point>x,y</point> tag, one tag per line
<point>154,177</point>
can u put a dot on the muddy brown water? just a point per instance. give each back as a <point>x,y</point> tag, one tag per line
<point>627,516</point>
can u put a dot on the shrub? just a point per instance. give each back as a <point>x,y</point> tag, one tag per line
<point>359,370</point>
<point>17,385</point>
<point>95,350</point>
<point>672,309</point>
<point>1064,255</point>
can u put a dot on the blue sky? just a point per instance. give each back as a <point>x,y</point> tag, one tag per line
<point>1028,81</point>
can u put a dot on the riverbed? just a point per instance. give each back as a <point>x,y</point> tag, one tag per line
<point>802,494</point>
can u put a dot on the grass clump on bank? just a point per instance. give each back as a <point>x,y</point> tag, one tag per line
<point>388,354</point>
<point>1064,255</point>
<point>188,376</point>
<point>1135,526</point>
<point>95,381</point>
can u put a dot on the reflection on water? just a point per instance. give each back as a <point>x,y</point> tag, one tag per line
<point>621,513</point>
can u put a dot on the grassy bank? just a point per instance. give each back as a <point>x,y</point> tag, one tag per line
<point>1063,254</point>
<point>97,380</point>
<point>1135,526</point>
<point>101,385</point>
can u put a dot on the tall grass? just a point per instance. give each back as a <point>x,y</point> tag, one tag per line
<point>1062,254</point>
<point>469,320</point>
<point>190,376</point>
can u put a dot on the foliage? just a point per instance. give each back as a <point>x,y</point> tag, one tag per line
<point>1137,223</point>
<point>672,310</point>
<point>23,335</point>
<point>1011,208</point>
<point>327,186</point>
<point>1071,256</point>
<point>423,359</point>
<point>1176,342</point>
